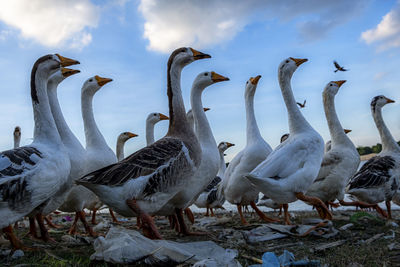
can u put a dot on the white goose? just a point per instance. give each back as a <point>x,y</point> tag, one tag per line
<point>17,136</point>
<point>293,166</point>
<point>212,196</point>
<point>121,140</point>
<point>145,181</point>
<point>151,121</point>
<point>237,189</point>
<point>209,155</point>
<point>31,175</point>
<point>341,161</point>
<point>378,178</point>
<point>190,118</point>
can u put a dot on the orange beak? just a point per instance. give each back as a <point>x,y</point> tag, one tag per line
<point>163,117</point>
<point>199,55</point>
<point>132,135</point>
<point>339,83</point>
<point>255,80</point>
<point>68,72</point>
<point>299,61</point>
<point>215,77</point>
<point>346,131</point>
<point>388,100</point>
<point>206,109</point>
<point>65,62</point>
<point>229,144</point>
<point>102,81</point>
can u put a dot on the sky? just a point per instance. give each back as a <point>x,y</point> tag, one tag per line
<point>130,42</point>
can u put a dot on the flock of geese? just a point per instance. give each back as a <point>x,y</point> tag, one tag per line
<point>186,166</point>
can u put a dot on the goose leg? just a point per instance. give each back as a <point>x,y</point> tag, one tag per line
<point>50,223</point>
<point>207,214</point>
<point>44,234</point>
<point>32,229</point>
<point>280,210</point>
<point>286,214</point>
<point>89,230</point>
<point>262,214</point>
<point>212,212</point>
<point>72,230</point>
<point>242,219</point>
<point>363,205</point>
<point>332,205</point>
<point>15,242</point>
<point>94,217</point>
<point>389,210</point>
<point>189,215</point>
<point>323,211</point>
<point>147,223</point>
<point>113,216</point>
<point>183,228</point>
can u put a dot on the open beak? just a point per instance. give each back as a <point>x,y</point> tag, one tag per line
<point>215,77</point>
<point>102,81</point>
<point>132,135</point>
<point>65,62</point>
<point>163,117</point>
<point>198,55</point>
<point>346,131</point>
<point>299,61</point>
<point>229,144</point>
<point>255,80</point>
<point>388,100</point>
<point>339,83</point>
<point>68,72</point>
<point>206,109</point>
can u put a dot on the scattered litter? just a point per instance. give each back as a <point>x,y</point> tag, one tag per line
<point>100,226</point>
<point>5,252</point>
<point>392,224</point>
<point>17,254</point>
<point>372,239</point>
<point>77,239</point>
<point>269,259</point>
<point>328,245</point>
<point>393,235</point>
<point>394,246</point>
<point>67,218</point>
<point>262,233</point>
<point>346,226</point>
<point>128,246</point>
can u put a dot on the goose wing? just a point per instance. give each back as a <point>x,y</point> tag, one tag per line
<point>329,161</point>
<point>374,172</point>
<point>160,163</point>
<point>213,184</point>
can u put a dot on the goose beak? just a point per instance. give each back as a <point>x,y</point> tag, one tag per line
<point>206,109</point>
<point>388,100</point>
<point>339,83</point>
<point>299,61</point>
<point>199,55</point>
<point>68,72</point>
<point>163,117</point>
<point>65,62</point>
<point>346,131</point>
<point>132,135</point>
<point>255,80</point>
<point>102,81</point>
<point>229,144</point>
<point>215,77</point>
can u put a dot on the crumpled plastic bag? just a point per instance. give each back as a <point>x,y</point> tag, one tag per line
<point>125,246</point>
<point>286,259</point>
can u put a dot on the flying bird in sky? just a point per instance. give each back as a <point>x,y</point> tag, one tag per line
<point>338,67</point>
<point>302,105</point>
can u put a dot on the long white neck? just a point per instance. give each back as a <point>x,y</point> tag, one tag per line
<point>190,120</point>
<point>93,136</point>
<point>67,136</point>
<point>17,140</point>
<point>388,142</point>
<point>252,131</point>
<point>149,132</point>
<point>45,129</point>
<point>222,165</point>
<point>338,136</point>
<point>297,123</point>
<point>202,126</point>
<point>120,149</point>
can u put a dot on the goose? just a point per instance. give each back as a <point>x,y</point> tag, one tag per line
<point>212,196</point>
<point>144,182</point>
<point>151,121</point>
<point>30,175</point>
<point>339,163</point>
<point>209,156</point>
<point>121,140</point>
<point>292,167</point>
<point>97,154</point>
<point>17,136</point>
<point>378,178</point>
<point>190,117</point>
<point>328,144</point>
<point>238,190</point>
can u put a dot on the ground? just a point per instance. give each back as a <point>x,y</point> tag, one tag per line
<point>358,249</point>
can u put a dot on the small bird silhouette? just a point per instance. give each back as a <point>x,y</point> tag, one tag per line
<point>302,105</point>
<point>338,67</point>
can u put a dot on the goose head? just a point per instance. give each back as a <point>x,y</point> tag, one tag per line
<point>379,101</point>
<point>155,117</point>
<point>251,85</point>
<point>52,63</point>
<point>224,146</point>
<point>333,87</point>
<point>208,78</point>
<point>93,84</point>
<point>17,132</point>
<point>125,136</point>
<point>289,66</point>
<point>184,56</point>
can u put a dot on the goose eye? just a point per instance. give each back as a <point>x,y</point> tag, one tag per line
<point>331,85</point>
<point>247,82</point>
<point>287,61</point>
<point>206,74</point>
<point>154,114</point>
<point>91,80</point>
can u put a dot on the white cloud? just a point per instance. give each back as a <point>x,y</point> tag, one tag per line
<point>387,33</point>
<point>52,23</point>
<point>174,23</point>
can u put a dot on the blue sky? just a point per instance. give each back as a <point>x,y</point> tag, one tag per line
<point>130,41</point>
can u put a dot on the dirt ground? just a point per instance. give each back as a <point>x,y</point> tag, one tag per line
<point>371,241</point>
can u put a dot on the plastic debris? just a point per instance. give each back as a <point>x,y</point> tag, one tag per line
<point>67,218</point>
<point>17,254</point>
<point>269,259</point>
<point>125,246</point>
<point>346,226</point>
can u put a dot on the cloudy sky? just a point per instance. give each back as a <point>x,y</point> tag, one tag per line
<point>130,41</point>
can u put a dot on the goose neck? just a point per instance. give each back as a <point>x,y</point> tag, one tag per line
<point>17,140</point>
<point>252,130</point>
<point>388,142</point>
<point>120,149</point>
<point>222,165</point>
<point>149,133</point>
